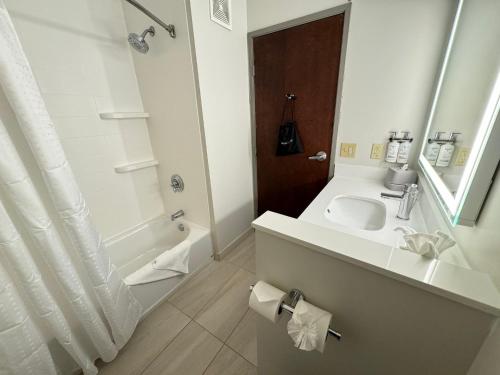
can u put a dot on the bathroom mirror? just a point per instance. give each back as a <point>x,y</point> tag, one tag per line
<point>461,146</point>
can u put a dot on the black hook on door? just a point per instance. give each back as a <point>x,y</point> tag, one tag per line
<point>291,96</point>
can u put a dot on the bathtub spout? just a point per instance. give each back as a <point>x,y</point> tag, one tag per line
<point>176,215</point>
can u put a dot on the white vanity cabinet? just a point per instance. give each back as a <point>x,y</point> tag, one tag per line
<point>393,319</point>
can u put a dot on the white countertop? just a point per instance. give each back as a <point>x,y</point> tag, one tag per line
<point>378,250</point>
<point>315,212</point>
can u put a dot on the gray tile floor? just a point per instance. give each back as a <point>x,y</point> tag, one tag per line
<point>205,327</point>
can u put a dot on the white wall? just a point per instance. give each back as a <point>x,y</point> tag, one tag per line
<point>262,13</point>
<point>222,60</point>
<point>81,59</point>
<point>393,51</point>
<point>167,83</point>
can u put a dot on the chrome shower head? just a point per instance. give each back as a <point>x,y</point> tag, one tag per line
<point>138,42</point>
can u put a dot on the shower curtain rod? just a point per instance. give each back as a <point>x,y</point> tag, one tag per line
<point>169,28</point>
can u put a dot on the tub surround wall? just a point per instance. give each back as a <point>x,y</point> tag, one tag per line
<point>222,67</point>
<point>394,48</point>
<point>167,82</point>
<point>82,63</point>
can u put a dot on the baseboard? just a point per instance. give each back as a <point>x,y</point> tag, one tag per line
<point>220,255</point>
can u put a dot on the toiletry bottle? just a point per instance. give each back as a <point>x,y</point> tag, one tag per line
<point>392,149</point>
<point>432,149</point>
<point>404,148</point>
<point>446,151</point>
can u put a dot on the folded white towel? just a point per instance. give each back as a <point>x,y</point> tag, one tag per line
<point>308,327</point>
<point>170,263</point>
<point>176,259</point>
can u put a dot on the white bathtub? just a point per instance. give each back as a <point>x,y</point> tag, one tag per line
<point>134,248</point>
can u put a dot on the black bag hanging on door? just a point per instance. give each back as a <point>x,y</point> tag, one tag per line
<point>288,137</point>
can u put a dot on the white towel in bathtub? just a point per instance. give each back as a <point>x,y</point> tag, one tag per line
<point>176,259</point>
<point>170,263</point>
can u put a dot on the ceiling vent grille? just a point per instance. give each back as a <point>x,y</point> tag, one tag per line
<point>220,12</point>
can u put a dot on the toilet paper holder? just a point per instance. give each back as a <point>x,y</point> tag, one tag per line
<point>295,295</point>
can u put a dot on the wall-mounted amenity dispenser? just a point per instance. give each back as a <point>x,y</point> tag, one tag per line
<point>404,148</point>
<point>392,149</point>
<point>446,151</point>
<point>432,149</point>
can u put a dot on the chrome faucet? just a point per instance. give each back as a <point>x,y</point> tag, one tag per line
<point>176,215</point>
<point>408,199</point>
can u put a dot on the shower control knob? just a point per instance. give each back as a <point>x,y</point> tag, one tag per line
<point>177,183</point>
<point>320,156</point>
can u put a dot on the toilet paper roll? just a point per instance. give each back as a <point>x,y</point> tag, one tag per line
<point>308,327</point>
<point>265,299</point>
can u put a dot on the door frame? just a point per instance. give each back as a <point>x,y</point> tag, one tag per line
<point>344,8</point>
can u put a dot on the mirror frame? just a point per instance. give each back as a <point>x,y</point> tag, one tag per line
<point>464,207</point>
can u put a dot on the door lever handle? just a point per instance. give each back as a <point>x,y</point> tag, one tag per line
<point>320,156</point>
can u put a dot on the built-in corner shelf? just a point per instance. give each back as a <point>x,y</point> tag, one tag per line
<point>126,168</point>
<point>122,115</point>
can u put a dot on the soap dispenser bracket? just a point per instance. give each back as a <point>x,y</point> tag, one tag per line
<point>437,139</point>
<point>400,139</point>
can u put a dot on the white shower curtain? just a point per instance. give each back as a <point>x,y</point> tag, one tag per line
<point>88,310</point>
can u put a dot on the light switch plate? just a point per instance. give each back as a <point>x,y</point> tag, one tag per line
<point>348,150</point>
<point>462,155</point>
<point>377,151</point>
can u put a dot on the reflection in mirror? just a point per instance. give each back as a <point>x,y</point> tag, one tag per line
<point>466,102</point>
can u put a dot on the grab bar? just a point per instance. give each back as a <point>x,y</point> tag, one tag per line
<point>296,295</point>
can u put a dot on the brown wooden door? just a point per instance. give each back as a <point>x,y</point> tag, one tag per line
<point>303,60</point>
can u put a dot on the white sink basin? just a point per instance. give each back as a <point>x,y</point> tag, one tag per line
<point>356,212</point>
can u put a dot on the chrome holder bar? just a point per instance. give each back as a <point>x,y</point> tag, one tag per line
<point>400,139</point>
<point>442,141</point>
<point>169,28</point>
<point>296,295</point>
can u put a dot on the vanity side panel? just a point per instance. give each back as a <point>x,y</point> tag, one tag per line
<point>389,327</point>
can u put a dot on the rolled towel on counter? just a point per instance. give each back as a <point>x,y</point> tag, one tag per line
<point>308,327</point>
<point>266,300</point>
<point>429,245</point>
